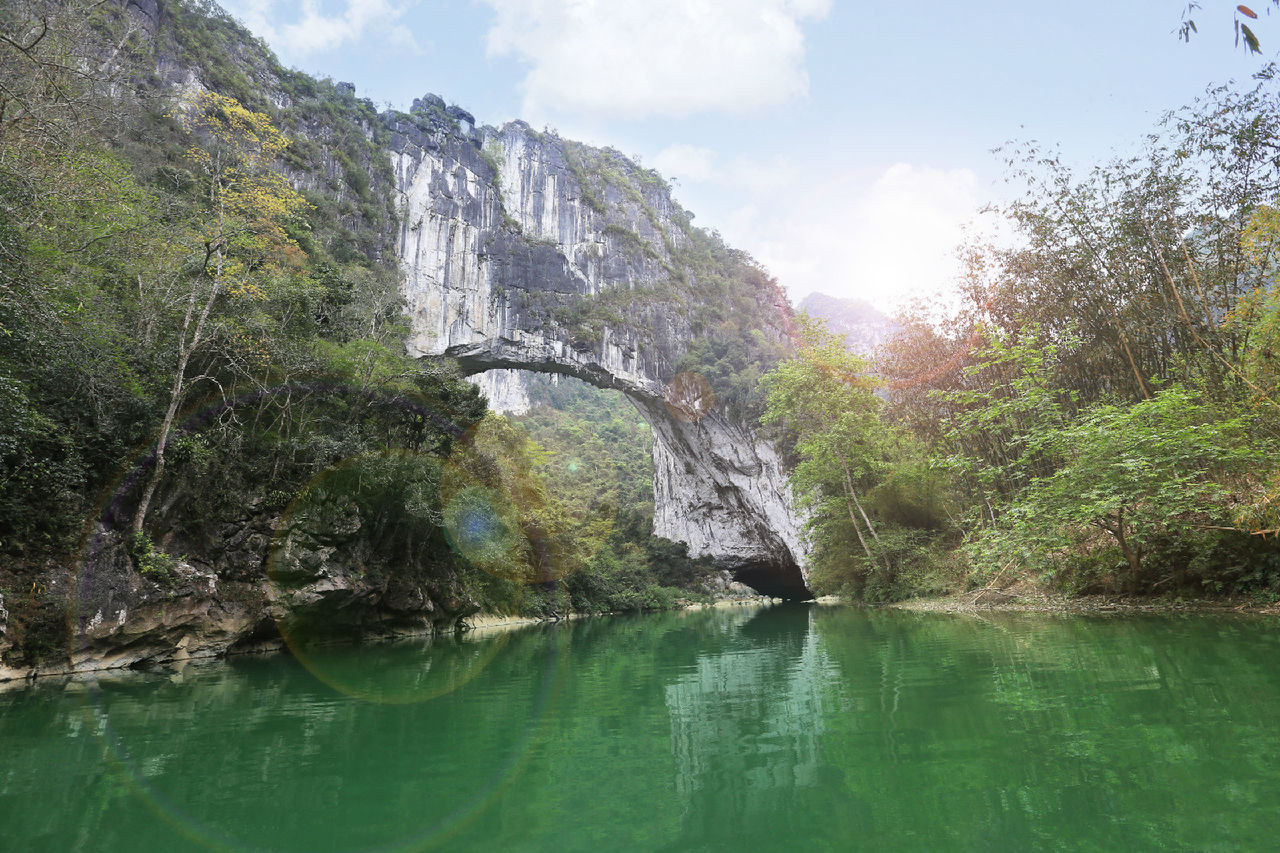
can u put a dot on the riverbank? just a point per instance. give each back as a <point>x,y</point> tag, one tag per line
<point>1020,598</point>
<point>138,654</point>
<point>496,622</point>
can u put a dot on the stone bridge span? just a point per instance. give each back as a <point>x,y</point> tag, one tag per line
<point>525,251</point>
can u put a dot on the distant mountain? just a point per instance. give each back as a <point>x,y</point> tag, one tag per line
<point>863,326</point>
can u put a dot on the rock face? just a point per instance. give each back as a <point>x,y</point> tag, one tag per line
<point>522,250</point>
<point>504,389</point>
<point>320,583</point>
<point>724,494</point>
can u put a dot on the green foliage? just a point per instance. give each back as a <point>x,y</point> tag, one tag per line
<point>152,563</point>
<point>1105,398</point>
<point>740,322</point>
<point>42,472</point>
<point>735,312</point>
<point>387,501</point>
<point>620,580</point>
<point>299,364</point>
<point>1257,314</point>
<point>917,492</point>
<point>329,127</point>
<point>491,153</point>
<point>734,361</point>
<point>853,467</point>
<point>1140,474</point>
<point>599,467</point>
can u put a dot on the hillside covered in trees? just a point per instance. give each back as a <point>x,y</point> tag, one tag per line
<point>1101,411</point>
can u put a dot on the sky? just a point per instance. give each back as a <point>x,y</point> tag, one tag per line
<point>848,146</point>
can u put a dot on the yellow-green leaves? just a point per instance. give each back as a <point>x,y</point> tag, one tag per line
<point>254,138</point>
<point>249,202</point>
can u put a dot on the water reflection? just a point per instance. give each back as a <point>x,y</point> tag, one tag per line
<point>789,728</point>
<point>263,754</point>
<point>746,722</point>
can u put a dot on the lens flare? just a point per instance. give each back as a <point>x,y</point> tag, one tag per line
<point>482,526</point>
<point>498,513</point>
<point>97,615</point>
<point>200,833</point>
<point>310,594</point>
<point>688,397</point>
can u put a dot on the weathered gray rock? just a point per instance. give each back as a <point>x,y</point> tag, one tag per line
<point>318,584</point>
<point>734,505</point>
<point>494,261</point>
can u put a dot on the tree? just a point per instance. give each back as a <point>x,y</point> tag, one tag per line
<point>236,246</point>
<point>824,401</point>
<point>500,515</point>
<point>61,61</point>
<point>1137,474</point>
<point>1143,259</point>
<point>997,429</point>
<point>70,216</point>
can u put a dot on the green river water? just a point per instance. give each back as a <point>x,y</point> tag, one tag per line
<point>789,728</point>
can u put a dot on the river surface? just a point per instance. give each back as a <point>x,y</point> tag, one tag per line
<point>789,728</point>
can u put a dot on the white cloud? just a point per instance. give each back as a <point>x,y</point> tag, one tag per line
<point>686,163</point>
<point>762,177</point>
<point>660,57</point>
<point>887,239</point>
<point>299,29</point>
<point>887,236</point>
<point>690,164</point>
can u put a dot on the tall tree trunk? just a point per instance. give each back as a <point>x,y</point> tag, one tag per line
<point>858,530</point>
<point>176,392</point>
<point>1131,554</point>
<point>162,441</point>
<point>848,483</point>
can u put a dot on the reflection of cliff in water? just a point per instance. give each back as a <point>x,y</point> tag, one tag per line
<point>745,726</point>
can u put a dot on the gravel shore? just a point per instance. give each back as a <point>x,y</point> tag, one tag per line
<point>1015,600</point>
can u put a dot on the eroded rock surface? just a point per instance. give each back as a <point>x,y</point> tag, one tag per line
<point>319,582</point>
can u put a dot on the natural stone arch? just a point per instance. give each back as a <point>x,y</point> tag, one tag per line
<point>496,241</point>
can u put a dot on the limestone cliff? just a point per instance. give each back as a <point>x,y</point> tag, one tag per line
<point>524,250</point>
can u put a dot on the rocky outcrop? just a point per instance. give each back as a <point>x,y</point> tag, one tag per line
<point>863,326</point>
<point>319,583</point>
<point>523,250</point>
